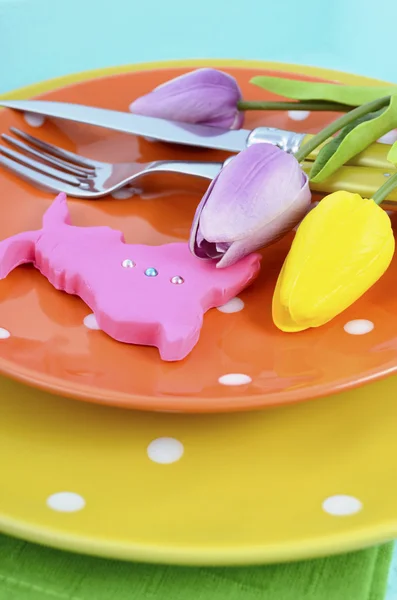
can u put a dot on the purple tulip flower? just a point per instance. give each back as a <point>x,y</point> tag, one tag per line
<point>256,198</point>
<point>204,96</point>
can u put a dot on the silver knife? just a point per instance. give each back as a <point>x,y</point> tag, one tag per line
<point>184,133</point>
<point>161,129</point>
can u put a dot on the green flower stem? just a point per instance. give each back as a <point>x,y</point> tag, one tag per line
<point>385,189</point>
<point>313,105</point>
<point>337,125</point>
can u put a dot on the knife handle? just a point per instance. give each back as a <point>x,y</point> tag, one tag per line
<point>290,141</point>
<point>373,156</point>
<point>359,180</point>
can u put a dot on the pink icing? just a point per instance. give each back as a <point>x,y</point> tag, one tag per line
<point>128,305</point>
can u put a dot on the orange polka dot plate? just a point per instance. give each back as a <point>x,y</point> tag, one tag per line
<point>50,341</point>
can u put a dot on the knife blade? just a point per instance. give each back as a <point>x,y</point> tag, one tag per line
<point>187,134</point>
<point>158,129</point>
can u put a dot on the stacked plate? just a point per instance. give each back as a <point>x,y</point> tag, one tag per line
<point>139,469</point>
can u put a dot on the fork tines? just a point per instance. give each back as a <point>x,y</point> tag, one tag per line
<point>51,166</point>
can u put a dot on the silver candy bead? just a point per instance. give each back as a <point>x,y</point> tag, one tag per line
<point>151,272</point>
<point>177,280</point>
<point>128,263</point>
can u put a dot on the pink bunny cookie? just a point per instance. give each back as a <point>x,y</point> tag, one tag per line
<point>149,295</point>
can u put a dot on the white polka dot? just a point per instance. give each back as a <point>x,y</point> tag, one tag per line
<point>34,120</point>
<point>298,115</point>
<point>90,322</point>
<point>4,333</point>
<point>358,326</point>
<point>124,193</point>
<point>165,450</point>
<point>234,305</point>
<point>234,379</point>
<point>341,506</point>
<point>66,502</point>
<point>388,138</point>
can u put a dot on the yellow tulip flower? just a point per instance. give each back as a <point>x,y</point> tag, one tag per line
<point>341,248</point>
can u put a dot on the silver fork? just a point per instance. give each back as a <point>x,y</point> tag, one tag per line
<point>58,170</point>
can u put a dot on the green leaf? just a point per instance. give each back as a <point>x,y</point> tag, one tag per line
<point>356,140</point>
<point>353,95</point>
<point>392,156</point>
<point>329,149</point>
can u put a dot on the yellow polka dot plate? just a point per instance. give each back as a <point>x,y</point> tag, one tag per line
<point>286,483</point>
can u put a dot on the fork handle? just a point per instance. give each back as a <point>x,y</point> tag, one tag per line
<point>206,170</point>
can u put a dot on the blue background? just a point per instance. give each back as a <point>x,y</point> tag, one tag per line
<point>41,39</point>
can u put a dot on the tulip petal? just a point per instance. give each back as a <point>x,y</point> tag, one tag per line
<point>196,239</point>
<point>340,250</point>
<point>270,232</point>
<point>280,312</point>
<point>256,198</point>
<point>205,96</point>
<point>251,191</point>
